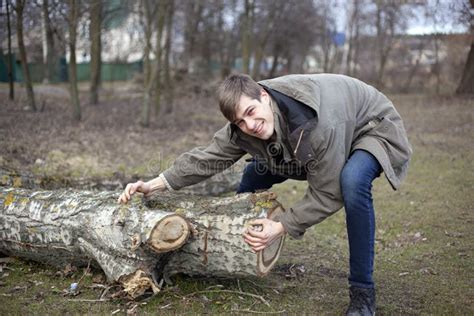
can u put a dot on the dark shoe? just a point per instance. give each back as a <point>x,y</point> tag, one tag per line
<point>362,302</point>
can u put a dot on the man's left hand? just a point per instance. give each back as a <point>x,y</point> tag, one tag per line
<point>262,238</point>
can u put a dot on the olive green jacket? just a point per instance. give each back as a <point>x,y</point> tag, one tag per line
<point>350,115</point>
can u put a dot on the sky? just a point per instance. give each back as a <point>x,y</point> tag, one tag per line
<point>419,24</point>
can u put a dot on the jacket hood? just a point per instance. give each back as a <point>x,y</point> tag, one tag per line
<point>300,87</point>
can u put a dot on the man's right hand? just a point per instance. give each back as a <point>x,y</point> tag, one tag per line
<point>132,188</point>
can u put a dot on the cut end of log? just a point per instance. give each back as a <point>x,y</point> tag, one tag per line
<point>169,234</point>
<point>267,257</point>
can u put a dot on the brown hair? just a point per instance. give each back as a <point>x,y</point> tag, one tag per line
<point>230,91</point>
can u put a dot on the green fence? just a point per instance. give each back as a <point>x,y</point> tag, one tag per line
<point>109,71</point>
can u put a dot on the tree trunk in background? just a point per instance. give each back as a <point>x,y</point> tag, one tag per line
<point>276,56</point>
<point>158,81</point>
<point>413,69</point>
<point>467,81</point>
<point>246,36</point>
<point>353,30</point>
<point>147,15</point>
<point>355,59</point>
<point>437,65</point>
<point>11,94</point>
<point>20,4</point>
<point>96,48</point>
<point>48,48</point>
<point>275,11</point>
<point>223,39</point>
<point>167,80</point>
<point>193,11</point>
<point>141,243</point>
<point>205,69</point>
<point>259,51</point>
<point>380,43</point>
<point>386,15</point>
<point>72,20</point>
<point>149,12</point>
<point>383,48</point>
<point>327,41</point>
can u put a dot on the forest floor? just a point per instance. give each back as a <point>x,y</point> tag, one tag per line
<point>424,237</point>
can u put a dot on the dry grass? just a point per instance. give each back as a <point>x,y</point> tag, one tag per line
<point>424,261</point>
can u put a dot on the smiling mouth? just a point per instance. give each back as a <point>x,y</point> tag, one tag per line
<point>259,129</point>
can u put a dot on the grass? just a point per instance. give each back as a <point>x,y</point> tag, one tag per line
<point>424,245</point>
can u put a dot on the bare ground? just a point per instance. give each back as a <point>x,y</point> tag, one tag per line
<point>424,261</point>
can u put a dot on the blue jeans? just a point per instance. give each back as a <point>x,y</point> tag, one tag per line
<point>356,185</point>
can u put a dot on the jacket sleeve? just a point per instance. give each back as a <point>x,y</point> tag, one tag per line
<point>201,163</point>
<point>323,196</point>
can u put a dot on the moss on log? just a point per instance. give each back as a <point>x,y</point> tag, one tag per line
<point>138,243</point>
<point>225,182</point>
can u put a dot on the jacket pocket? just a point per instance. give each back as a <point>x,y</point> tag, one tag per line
<point>301,142</point>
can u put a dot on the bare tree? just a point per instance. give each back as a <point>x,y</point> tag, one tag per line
<point>330,51</point>
<point>227,35</point>
<point>247,26</point>
<point>433,15</point>
<point>353,26</point>
<point>385,26</point>
<point>48,42</point>
<point>207,39</point>
<point>167,80</point>
<point>19,8</point>
<point>154,13</point>
<point>223,39</point>
<point>270,12</point>
<point>467,81</point>
<point>11,90</point>
<point>73,21</point>
<point>157,81</point>
<point>290,46</point>
<point>96,48</point>
<point>193,14</point>
<point>413,68</point>
<point>391,19</point>
<point>147,13</point>
<point>275,61</point>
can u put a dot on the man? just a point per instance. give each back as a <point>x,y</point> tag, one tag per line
<point>334,131</point>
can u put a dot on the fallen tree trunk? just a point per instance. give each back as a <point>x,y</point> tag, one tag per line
<point>225,182</point>
<point>137,244</point>
<point>217,247</point>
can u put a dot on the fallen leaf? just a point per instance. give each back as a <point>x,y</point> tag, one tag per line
<point>453,234</point>
<point>19,288</point>
<point>133,310</point>
<point>98,278</point>
<point>34,282</point>
<point>69,269</point>
<point>428,271</point>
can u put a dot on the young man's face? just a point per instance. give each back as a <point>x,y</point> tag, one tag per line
<point>254,117</point>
